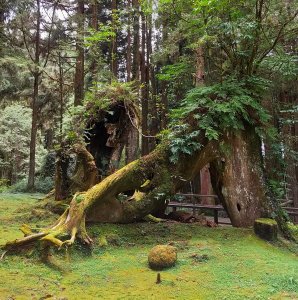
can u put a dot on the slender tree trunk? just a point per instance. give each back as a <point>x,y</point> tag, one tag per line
<point>31,178</point>
<point>136,40</point>
<point>79,71</point>
<point>144,88</point>
<point>61,96</point>
<point>163,85</point>
<point>132,145</point>
<point>128,57</point>
<point>151,86</point>
<point>114,63</point>
<point>94,25</point>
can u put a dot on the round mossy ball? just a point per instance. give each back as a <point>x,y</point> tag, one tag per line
<point>162,256</point>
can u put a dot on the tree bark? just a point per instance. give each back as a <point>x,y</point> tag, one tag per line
<point>136,40</point>
<point>79,71</point>
<point>31,178</point>
<point>128,57</point>
<point>239,177</point>
<point>114,63</point>
<point>144,88</point>
<point>94,25</point>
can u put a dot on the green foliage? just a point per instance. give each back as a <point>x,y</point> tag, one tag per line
<point>216,109</point>
<point>221,107</point>
<point>294,230</point>
<point>15,130</point>
<point>14,77</point>
<point>42,185</point>
<point>182,142</point>
<point>281,65</point>
<point>3,184</point>
<point>175,71</point>
<point>104,34</point>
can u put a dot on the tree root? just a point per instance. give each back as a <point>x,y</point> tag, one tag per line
<point>71,224</point>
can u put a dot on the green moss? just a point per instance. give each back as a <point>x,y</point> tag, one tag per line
<point>240,265</point>
<point>79,198</point>
<point>266,221</point>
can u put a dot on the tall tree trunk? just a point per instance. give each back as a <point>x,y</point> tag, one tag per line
<point>114,63</point>
<point>61,96</point>
<point>163,84</point>
<point>205,182</point>
<point>152,108</point>
<point>94,25</point>
<point>132,144</point>
<point>136,40</point>
<point>132,147</point>
<point>80,60</point>
<point>31,178</point>
<point>128,50</point>
<point>144,88</point>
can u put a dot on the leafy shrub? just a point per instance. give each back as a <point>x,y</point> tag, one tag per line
<point>3,185</point>
<point>294,230</point>
<point>48,166</point>
<point>20,186</point>
<point>42,185</point>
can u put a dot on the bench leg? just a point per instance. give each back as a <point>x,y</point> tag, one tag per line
<point>174,208</point>
<point>216,216</point>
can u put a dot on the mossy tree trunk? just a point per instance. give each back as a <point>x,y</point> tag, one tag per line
<point>152,178</point>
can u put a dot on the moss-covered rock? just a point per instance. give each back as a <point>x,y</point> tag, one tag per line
<point>266,229</point>
<point>162,256</point>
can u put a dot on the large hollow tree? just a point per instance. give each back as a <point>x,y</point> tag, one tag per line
<point>101,130</point>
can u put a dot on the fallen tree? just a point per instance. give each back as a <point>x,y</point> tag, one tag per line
<point>212,129</point>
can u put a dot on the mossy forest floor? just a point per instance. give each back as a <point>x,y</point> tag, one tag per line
<point>213,263</point>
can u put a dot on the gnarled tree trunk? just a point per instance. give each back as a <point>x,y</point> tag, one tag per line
<point>152,179</point>
<point>238,177</point>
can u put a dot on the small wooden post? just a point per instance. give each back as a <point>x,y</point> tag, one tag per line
<point>216,216</point>
<point>158,278</point>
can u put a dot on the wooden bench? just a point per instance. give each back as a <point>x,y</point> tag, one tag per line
<point>292,211</point>
<point>195,206</point>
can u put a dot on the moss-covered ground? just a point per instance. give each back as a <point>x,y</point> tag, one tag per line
<point>213,263</point>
